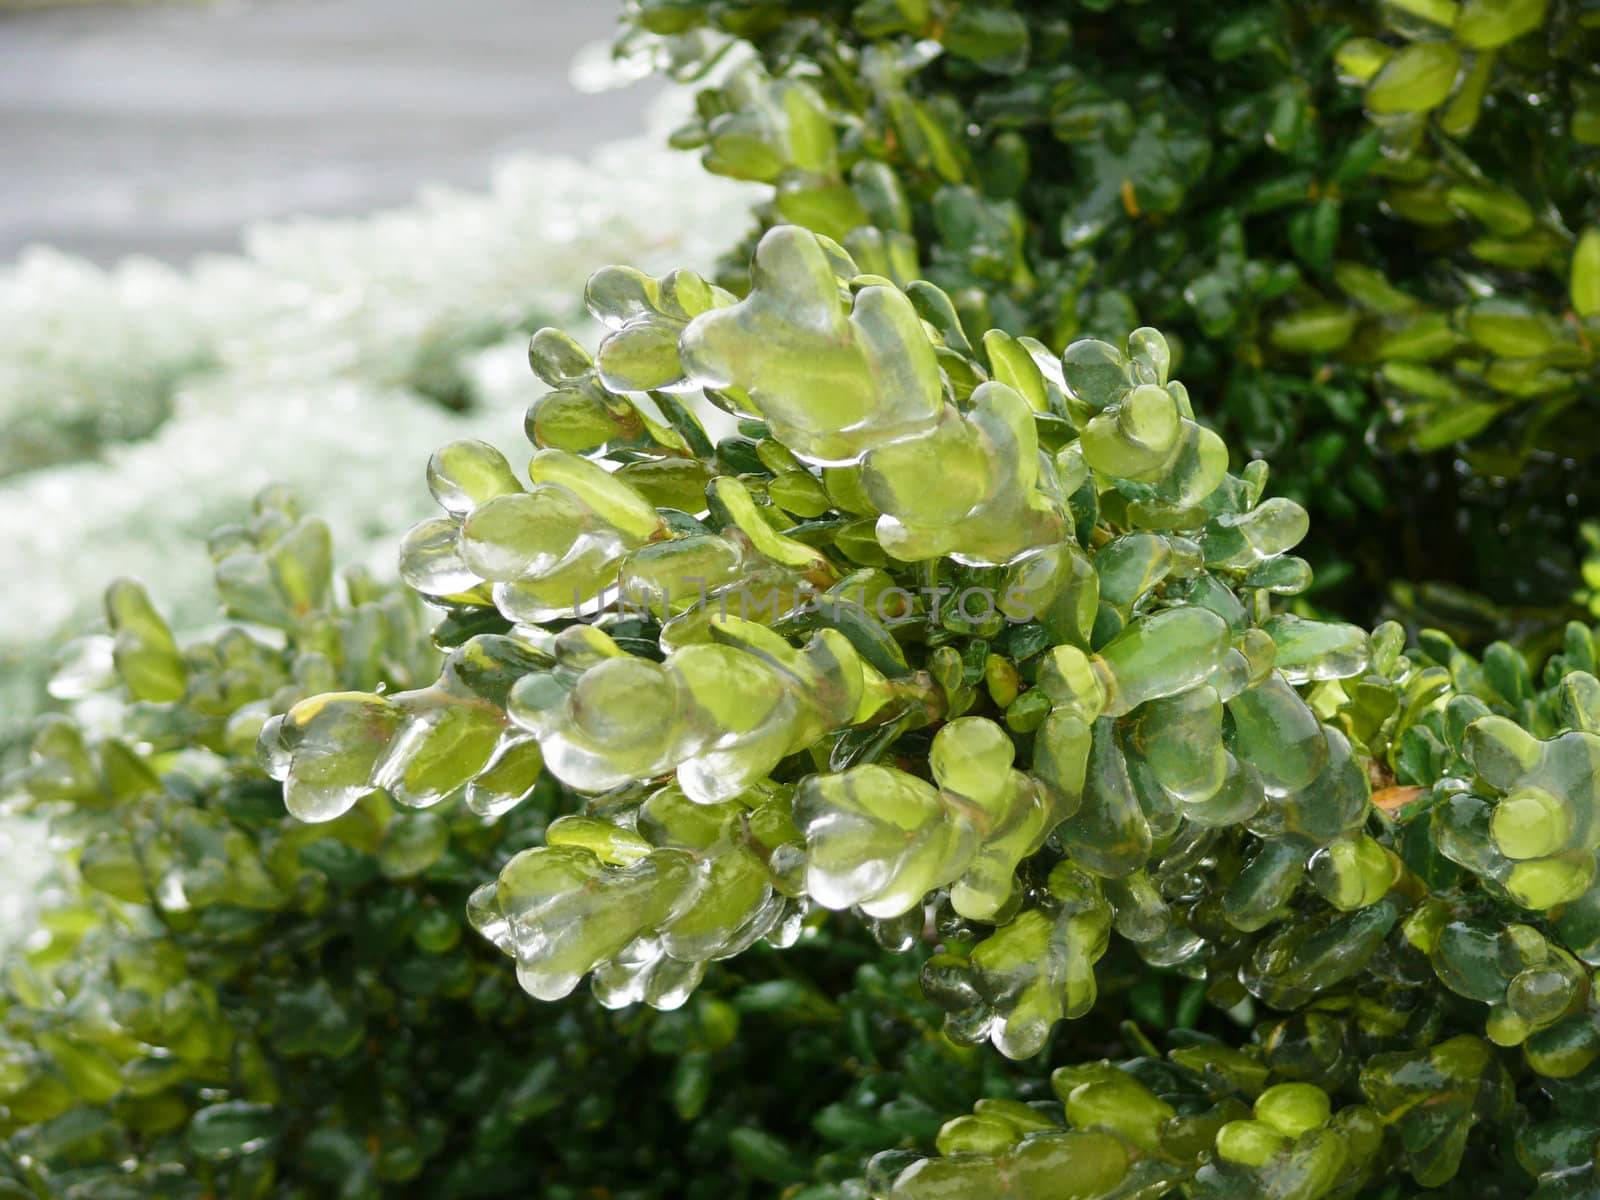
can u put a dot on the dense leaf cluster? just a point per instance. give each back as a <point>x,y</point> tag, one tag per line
<point>1047,712</point>
<point>232,1003</point>
<point>1372,230</point>
<point>941,780</point>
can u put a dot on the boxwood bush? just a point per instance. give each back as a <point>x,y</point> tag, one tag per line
<point>984,646</point>
<point>230,1002</point>
<point>945,782</point>
<point>1371,231</point>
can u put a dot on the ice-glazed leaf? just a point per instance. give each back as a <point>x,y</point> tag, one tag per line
<point>1067,1165</point>
<point>327,749</point>
<point>830,376</point>
<point>879,838</point>
<point>971,760</point>
<point>621,721</point>
<point>1243,540</point>
<point>1033,971</point>
<point>1434,1098</point>
<point>467,473</point>
<point>444,742</point>
<point>988,509</point>
<point>560,912</point>
<point>1416,79</point>
<point>1161,655</point>
<point>1545,826</point>
<point>1313,650</point>
<point>431,559</point>
<point>646,317</point>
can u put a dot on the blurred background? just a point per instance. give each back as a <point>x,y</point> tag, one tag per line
<point>298,241</point>
<point>165,129</point>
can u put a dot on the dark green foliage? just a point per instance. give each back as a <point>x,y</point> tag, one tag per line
<point>1137,882</point>
<point>1389,288</point>
<point>1359,877</point>
<point>234,1004</point>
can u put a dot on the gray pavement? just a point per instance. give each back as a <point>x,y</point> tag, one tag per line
<point>163,129</point>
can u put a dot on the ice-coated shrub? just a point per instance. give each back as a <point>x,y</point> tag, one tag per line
<point>217,999</point>
<point>989,648</point>
<point>1370,230</point>
<point>160,401</point>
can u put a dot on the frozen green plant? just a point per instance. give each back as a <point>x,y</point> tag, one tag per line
<point>217,999</point>
<point>1369,228</point>
<point>1074,717</point>
<point>140,405</point>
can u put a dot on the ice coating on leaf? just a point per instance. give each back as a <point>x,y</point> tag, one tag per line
<point>1136,426</point>
<point>1016,824</point>
<point>431,560</point>
<point>1074,682</point>
<point>586,413</point>
<point>1276,732</point>
<point>1544,828</point>
<point>1033,971</point>
<point>721,714</point>
<point>1352,872</point>
<point>560,912</point>
<point>827,676</point>
<point>620,721</point>
<point>642,908</point>
<point>529,534</point>
<point>882,839</point>
<point>1313,650</point>
<point>464,474</point>
<point>1529,984</point>
<point>1136,438</point>
<point>1435,1097</point>
<point>673,576</point>
<point>1300,960</point>
<point>444,742</point>
<point>1065,1165</point>
<point>616,504</point>
<point>1110,833</point>
<point>736,500</point>
<point>646,317</point>
<point>557,357</point>
<point>1180,737</point>
<point>831,376</point>
<point>879,838</point>
<point>326,750</point>
<point>1241,540</point>
<point>987,509</point>
<point>1129,567</point>
<point>420,746</point>
<point>1099,1095</point>
<point>549,550</point>
<point>1061,757</point>
<point>1161,655</point>
<point>1096,373</point>
<point>1059,587</point>
<point>737,901</point>
<point>1331,805</point>
<point>749,718</point>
